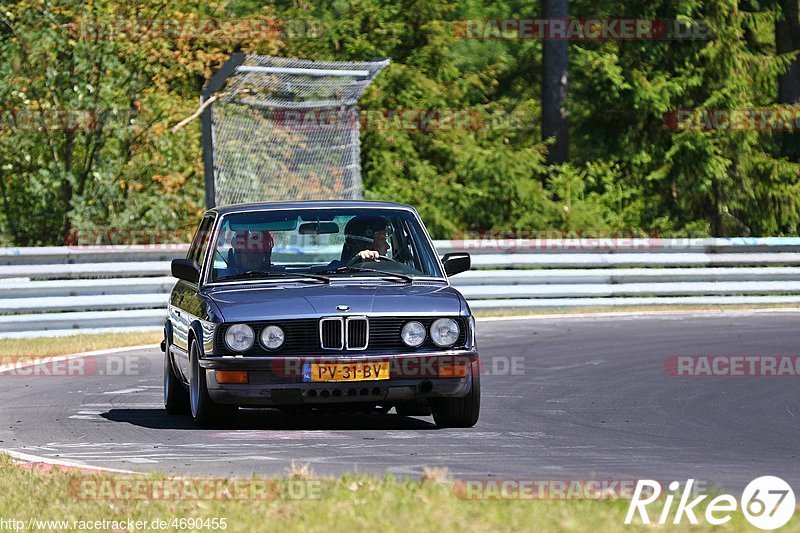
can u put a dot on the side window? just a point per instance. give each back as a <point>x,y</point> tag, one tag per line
<point>401,244</point>
<point>200,242</point>
<point>424,262</point>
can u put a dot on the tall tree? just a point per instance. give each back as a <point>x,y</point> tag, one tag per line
<point>555,82</point>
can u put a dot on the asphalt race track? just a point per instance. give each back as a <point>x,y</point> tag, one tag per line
<point>567,399</point>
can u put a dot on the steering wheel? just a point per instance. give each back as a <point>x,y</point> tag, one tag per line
<point>356,259</point>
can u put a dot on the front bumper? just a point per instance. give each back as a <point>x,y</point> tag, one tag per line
<point>278,381</point>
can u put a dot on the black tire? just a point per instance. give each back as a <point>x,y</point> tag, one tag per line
<point>176,393</point>
<point>459,412</point>
<point>204,411</point>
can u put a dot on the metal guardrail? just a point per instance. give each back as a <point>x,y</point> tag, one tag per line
<point>57,290</point>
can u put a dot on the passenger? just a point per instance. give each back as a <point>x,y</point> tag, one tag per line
<point>250,251</point>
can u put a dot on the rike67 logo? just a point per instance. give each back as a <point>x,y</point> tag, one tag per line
<point>767,503</point>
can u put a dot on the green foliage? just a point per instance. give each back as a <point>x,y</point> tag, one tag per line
<point>85,146</point>
<point>628,170</point>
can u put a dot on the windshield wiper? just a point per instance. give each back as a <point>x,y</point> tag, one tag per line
<point>268,274</point>
<point>404,277</point>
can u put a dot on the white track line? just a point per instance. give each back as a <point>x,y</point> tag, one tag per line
<point>28,458</point>
<point>8,367</point>
<point>57,333</point>
<point>643,314</point>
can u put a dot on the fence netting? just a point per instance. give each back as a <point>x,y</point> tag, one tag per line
<point>288,129</point>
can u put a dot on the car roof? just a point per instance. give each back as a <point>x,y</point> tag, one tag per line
<point>308,204</point>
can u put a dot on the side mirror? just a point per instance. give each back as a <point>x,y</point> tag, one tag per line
<point>186,269</point>
<point>456,263</point>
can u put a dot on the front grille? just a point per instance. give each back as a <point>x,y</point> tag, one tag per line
<point>331,335</point>
<point>357,333</point>
<point>304,337</point>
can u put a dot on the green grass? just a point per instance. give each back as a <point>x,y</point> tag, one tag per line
<point>21,349</point>
<point>351,503</point>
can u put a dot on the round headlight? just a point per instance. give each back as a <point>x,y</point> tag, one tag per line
<point>444,332</point>
<point>272,337</point>
<point>240,337</point>
<point>413,334</point>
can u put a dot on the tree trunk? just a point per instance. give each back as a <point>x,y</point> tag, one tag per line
<point>555,69</point>
<point>717,229</point>
<point>67,190</point>
<point>787,39</point>
<point>11,218</point>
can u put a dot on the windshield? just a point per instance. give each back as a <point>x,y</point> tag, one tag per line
<point>322,244</point>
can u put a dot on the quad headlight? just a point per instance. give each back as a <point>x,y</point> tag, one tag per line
<point>272,337</point>
<point>413,333</point>
<point>240,337</point>
<point>444,332</point>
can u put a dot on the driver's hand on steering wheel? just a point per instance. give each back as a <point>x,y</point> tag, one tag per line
<point>368,255</point>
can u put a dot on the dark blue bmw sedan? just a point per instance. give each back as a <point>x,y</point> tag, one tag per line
<point>319,305</point>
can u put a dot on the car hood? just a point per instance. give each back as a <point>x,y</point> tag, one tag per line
<point>263,302</point>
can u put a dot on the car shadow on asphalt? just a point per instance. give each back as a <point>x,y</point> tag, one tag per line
<point>266,419</point>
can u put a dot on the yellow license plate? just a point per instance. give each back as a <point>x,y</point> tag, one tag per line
<point>346,371</point>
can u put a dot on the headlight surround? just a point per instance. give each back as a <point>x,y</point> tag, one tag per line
<point>413,333</point>
<point>240,337</point>
<point>272,337</point>
<point>444,332</point>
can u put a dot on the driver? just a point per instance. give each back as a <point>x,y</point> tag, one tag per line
<point>250,251</point>
<point>365,239</point>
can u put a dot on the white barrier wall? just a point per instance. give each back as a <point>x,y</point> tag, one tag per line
<point>57,290</point>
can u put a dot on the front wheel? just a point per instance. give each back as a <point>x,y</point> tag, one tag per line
<point>176,396</point>
<point>205,412</point>
<point>459,412</point>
